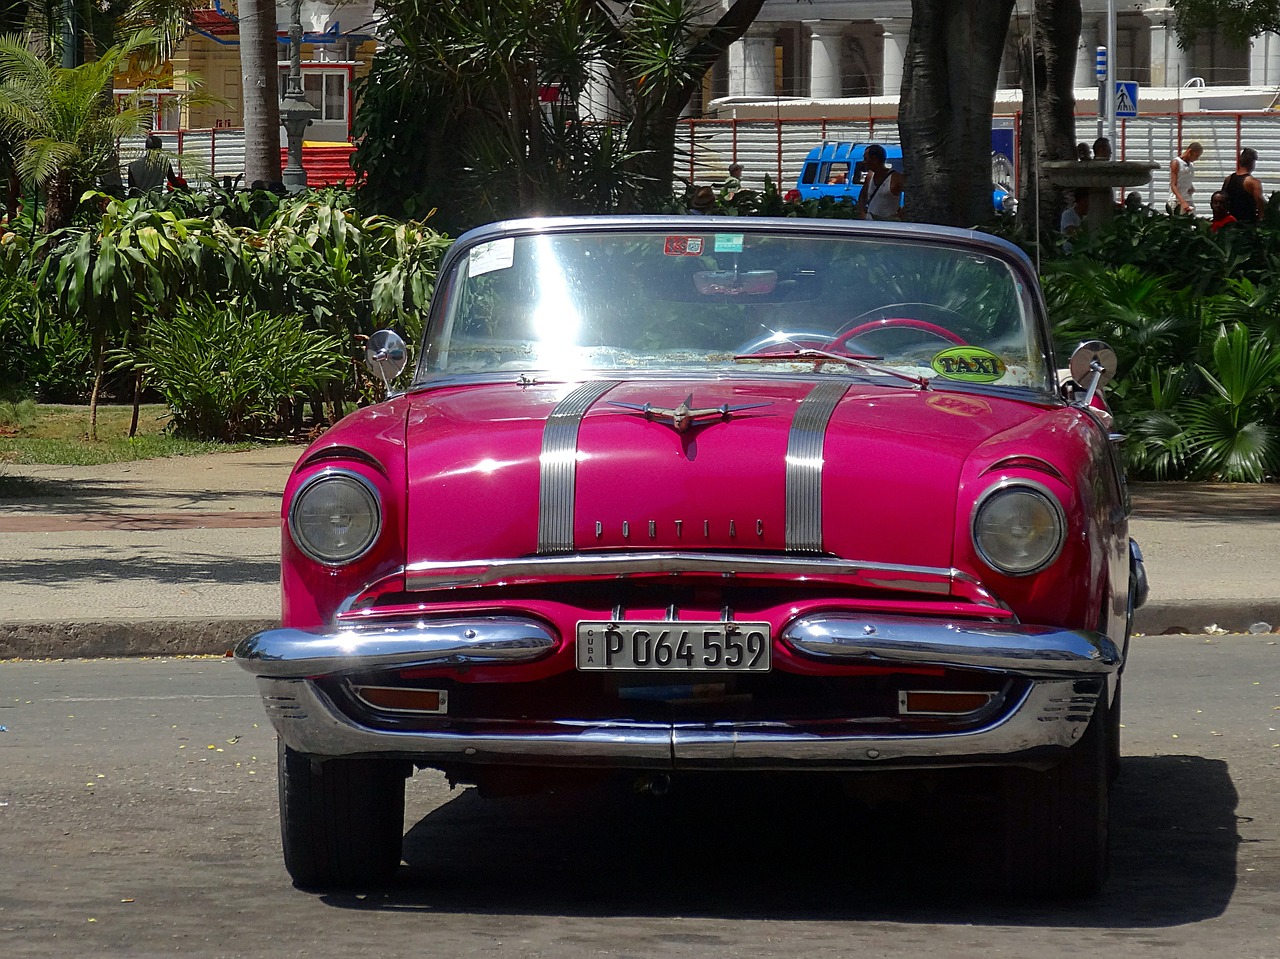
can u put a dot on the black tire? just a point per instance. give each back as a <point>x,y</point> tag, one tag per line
<point>1113,736</point>
<point>1056,842</point>
<point>341,820</point>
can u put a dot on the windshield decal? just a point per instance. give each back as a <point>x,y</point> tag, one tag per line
<point>970,364</point>
<point>494,255</point>
<point>682,246</point>
<point>728,242</point>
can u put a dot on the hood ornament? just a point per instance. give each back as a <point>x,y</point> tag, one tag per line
<point>685,415</point>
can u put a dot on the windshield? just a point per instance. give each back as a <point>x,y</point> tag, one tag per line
<point>691,300</point>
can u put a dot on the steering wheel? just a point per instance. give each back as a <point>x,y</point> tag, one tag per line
<point>856,329</point>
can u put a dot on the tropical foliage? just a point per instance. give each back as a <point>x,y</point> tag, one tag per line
<point>475,112</point>
<point>1195,320</point>
<point>120,282</point>
<point>61,128</point>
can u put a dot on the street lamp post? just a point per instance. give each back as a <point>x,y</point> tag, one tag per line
<point>296,113</point>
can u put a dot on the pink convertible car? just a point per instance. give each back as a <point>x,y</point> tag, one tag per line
<point>682,495</point>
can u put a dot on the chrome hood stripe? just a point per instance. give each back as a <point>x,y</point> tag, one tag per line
<point>804,467</point>
<point>559,466</point>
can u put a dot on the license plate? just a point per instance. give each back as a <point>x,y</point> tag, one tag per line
<point>674,647</point>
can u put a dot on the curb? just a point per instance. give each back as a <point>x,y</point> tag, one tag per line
<point>217,637</point>
<point>145,637</point>
<point>1196,616</point>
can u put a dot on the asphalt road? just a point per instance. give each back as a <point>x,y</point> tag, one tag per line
<point>138,818</point>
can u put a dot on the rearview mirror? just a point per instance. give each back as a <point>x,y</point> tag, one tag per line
<point>735,283</point>
<point>386,356</point>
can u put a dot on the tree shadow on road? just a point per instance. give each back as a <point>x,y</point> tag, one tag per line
<point>797,849</point>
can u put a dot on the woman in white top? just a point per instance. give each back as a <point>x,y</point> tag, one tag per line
<point>881,191</point>
<point>1181,183</point>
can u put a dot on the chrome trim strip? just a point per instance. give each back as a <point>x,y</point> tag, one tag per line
<point>1052,715</point>
<point>308,721</point>
<point>559,466</point>
<point>1024,650</point>
<point>804,467</point>
<point>297,653</point>
<point>584,566</point>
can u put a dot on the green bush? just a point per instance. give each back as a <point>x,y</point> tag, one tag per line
<point>228,371</point>
<point>1194,319</point>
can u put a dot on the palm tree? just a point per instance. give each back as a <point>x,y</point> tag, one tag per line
<point>61,122</point>
<point>260,82</point>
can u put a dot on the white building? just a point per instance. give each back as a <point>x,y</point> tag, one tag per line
<point>855,48</point>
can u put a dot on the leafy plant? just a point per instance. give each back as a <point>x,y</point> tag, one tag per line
<point>228,371</point>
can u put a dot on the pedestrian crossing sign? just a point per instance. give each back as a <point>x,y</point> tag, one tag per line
<point>1126,98</point>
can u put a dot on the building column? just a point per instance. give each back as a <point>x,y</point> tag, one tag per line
<point>1264,60</point>
<point>751,64</point>
<point>894,55</point>
<point>597,100</point>
<point>1087,54</point>
<point>1170,64</point>
<point>826,76</point>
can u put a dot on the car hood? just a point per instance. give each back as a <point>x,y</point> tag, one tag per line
<point>863,471</point>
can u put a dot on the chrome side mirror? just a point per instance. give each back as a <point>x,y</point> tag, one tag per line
<point>1093,365</point>
<point>386,356</point>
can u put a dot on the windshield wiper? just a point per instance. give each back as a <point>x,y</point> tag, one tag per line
<point>855,360</point>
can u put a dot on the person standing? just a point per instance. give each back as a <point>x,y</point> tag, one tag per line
<point>1181,180</point>
<point>151,171</point>
<point>881,195</point>
<point>1244,191</point>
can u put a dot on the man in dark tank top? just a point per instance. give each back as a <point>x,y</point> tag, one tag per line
<point>1244,191</point>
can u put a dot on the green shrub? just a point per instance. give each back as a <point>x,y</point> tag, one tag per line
<point>227,371</point>
<point>17,412</point>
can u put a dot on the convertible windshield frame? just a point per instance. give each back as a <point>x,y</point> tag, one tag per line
<point>491,256</point>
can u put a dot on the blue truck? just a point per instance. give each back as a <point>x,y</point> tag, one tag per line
<point>837,170</point>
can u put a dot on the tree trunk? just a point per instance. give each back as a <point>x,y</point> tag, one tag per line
<point>948,95</point>
<point>59,207</point>
<point>99,347</point>
<point>258,76</point>
<point>654,109</point>
<point>137,403</point>
<point>1047,65</point>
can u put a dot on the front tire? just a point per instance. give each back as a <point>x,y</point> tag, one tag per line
<point>341,820</point>
<point>1056,822</point>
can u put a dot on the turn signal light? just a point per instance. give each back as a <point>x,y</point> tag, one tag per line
<point>930,702</point>
<point>401,699</point>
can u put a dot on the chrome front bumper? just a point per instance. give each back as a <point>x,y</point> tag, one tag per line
<point>1063,668</point>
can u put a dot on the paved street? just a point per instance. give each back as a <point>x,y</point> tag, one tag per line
<point>138,818</point>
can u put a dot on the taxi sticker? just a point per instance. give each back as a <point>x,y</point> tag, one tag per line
<point>971,364</point>
<point>728,242</point>
<point>494,255</point>
<point>682,246</point>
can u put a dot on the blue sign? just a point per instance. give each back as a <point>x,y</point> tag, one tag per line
<point>1126,98</point>
<point>1100,65</point>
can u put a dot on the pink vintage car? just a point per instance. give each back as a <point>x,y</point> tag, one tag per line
<point>684,495</point>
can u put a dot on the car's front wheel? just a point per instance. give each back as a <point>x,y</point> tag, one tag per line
<point>1056,821</point>
<point>341,820</point>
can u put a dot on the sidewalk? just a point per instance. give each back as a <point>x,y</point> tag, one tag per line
<point>180,556</point>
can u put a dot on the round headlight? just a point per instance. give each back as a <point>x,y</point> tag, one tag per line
<point>1018,529</point>
<point>335,517</point>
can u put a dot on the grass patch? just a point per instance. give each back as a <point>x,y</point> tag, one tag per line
<point>59,436</point>
<point>16,414</point>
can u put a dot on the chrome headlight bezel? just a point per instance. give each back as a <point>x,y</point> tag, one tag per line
<point>1024,487</point>
<point>335,475</point>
